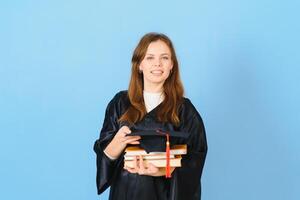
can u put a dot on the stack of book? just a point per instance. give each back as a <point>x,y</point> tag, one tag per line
<point>156,158</point>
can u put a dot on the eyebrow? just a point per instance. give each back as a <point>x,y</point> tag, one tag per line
<point>160,54</point>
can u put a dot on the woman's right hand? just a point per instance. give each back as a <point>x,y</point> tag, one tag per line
<point>120,141</point>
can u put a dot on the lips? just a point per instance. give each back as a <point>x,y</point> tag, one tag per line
<point>157,72</point>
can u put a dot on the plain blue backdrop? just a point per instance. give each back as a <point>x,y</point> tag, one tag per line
<point>62,61</point>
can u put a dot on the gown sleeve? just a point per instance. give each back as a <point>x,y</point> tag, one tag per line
<point>186,183</point>
<point>107,169</point>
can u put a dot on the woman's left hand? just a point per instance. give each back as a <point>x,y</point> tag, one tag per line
<point>150,170</point>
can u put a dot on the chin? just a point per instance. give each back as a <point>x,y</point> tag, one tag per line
<point>157,80</point>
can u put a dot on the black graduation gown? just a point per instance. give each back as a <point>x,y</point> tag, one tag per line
<point>185,183</point>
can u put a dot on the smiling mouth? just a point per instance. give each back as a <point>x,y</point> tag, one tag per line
<point>157,72</point>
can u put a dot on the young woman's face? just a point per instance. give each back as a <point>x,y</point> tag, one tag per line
<point>157,63</point>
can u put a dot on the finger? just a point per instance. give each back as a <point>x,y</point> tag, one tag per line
<point>135,142</point>
<point>126,130</point>
<point>135,164</point>
<point>127,141</point>
<point>152,168</point>
<point>141,163</point>
<point>133,137</point>
<point>124,137</point>
<point>128,167</point>
<point>131,170</point>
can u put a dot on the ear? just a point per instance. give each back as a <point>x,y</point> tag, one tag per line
<point>141,67</point>
<point>171,67</point>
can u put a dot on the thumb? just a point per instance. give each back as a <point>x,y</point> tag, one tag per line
<point>126,129</point>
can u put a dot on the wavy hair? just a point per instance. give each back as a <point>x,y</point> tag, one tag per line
<point>172,87</point>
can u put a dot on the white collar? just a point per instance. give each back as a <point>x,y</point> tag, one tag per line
<point>152,99</point>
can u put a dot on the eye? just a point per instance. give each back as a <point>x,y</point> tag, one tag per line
<point>166,58</point>
<point>149,58</point>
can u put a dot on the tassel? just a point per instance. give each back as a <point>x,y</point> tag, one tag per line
<point>168,168</point>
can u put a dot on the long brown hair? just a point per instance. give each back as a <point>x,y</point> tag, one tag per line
<point>172,87</point>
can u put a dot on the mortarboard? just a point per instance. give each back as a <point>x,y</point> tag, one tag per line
<point>159,140</point>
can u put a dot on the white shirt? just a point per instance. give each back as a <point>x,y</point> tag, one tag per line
<point>152,99</point>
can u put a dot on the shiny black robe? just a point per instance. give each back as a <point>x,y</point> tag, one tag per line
<point>185,183</point>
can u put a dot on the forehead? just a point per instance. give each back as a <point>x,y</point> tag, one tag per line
<point>158,47</point>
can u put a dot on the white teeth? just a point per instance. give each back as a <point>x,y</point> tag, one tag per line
<point>156,72</point>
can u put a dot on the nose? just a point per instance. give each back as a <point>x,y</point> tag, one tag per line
<point>157,62</point>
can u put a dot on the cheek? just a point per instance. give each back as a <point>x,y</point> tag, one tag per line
<point>167,62</point>
<point>168,66</point>
<point>167,74</point>
<point>143,66</point>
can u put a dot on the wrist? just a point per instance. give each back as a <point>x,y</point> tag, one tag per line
<point>109,155</point>
<point>112,150</point>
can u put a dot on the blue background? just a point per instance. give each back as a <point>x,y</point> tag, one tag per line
<point>62,61</point>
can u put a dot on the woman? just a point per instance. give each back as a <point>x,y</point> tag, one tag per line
<point>154,99</point>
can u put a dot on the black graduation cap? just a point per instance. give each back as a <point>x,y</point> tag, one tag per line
<point>158,140</point>
<point>154,140</point>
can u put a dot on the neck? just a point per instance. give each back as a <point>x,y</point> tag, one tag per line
<point>156,88</point>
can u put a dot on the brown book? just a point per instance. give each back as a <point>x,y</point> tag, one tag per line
<point>149,157</point>
<point>174,162</point>
<point>175,150</point>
